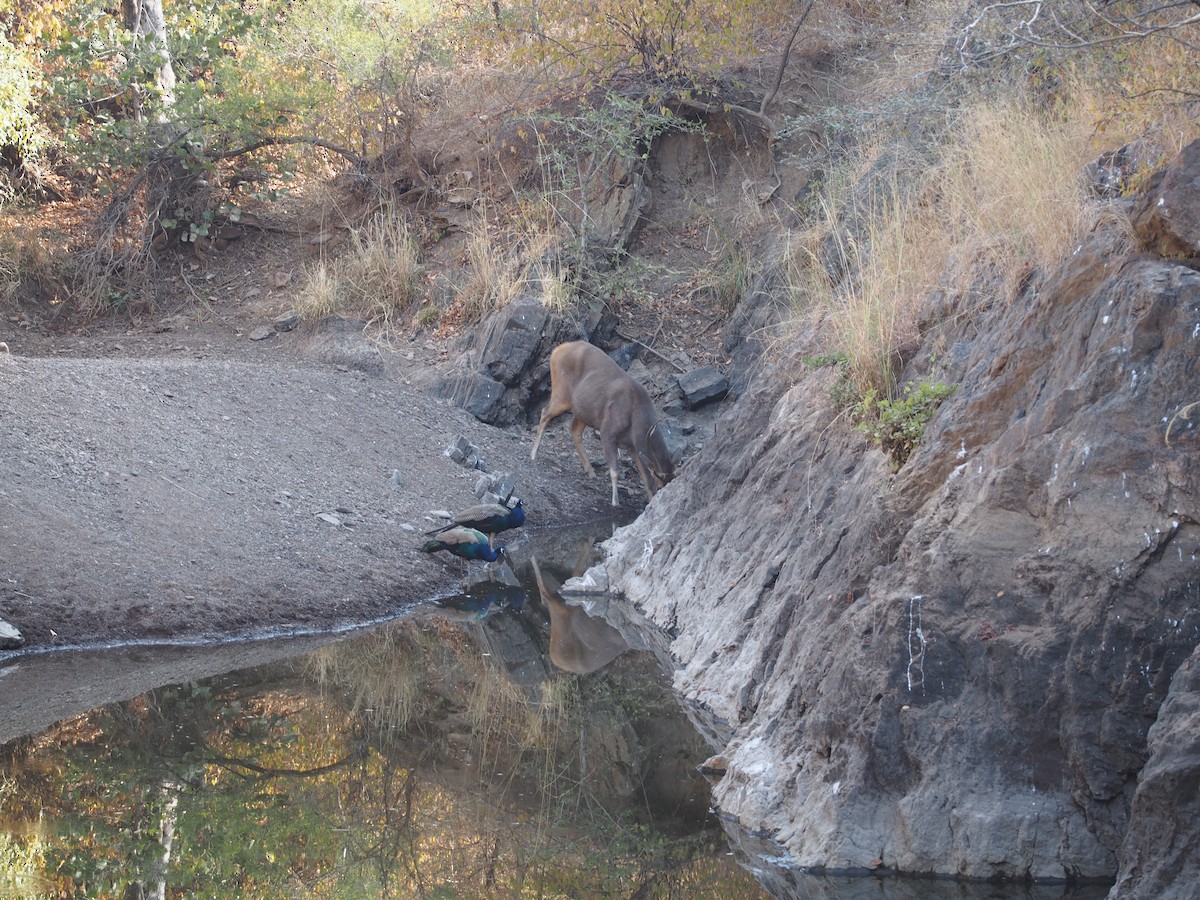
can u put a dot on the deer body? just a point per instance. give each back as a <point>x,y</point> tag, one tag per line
<point>601,395</point>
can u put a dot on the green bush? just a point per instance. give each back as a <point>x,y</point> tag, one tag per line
<point>897,426</point>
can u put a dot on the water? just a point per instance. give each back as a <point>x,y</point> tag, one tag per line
<point>500,743</point>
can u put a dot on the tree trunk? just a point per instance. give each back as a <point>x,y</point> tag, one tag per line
<point>145,19</point>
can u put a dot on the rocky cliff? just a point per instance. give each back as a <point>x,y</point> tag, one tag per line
<point>982,665</point>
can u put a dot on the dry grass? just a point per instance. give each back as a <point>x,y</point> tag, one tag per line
<point>380,275</point>
<point>318,295</point>
<point>505,263</point>
<point>1013,186</point>
<point>1006,193</point>
<point>26,260</point>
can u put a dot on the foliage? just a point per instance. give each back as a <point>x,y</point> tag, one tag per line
<point>897,426</point>
<point>672,40</point>
<point>20,84</point>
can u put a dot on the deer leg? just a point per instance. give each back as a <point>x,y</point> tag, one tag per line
<point>553,410</point>
<point>647,481</point>
<point>609,446</point>
<point>576,428</point>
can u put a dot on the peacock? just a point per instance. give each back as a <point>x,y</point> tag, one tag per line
<point>489,518</point>
<point>465,543</point>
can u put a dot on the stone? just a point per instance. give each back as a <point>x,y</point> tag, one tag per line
<point>1158,858</point>
<point>10,637</point>
<point>702,386</point>
<point>909,674</point>
<point>510,340</point>
<point>505,485</point>
<point>338,341</point>
<point>287,321</point>
<point>473,391</point>
<point>262,333</point>
<point>1166,216</point>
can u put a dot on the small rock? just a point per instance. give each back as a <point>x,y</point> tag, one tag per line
<point>505,485</point>
<point>638,371</point>
<point>262,332</point>
<point>483,485</point>
<point>703,385</point>
<point>397,479</point>
<point>10,638</point>
<point>330,518</point>
<point>287,321</point>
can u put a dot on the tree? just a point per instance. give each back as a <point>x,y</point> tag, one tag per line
<point>1001,29</point>
<point>145,20</point>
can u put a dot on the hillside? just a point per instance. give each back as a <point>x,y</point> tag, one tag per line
<point>928,570</point>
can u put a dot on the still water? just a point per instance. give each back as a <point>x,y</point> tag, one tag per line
<point>499,743</point>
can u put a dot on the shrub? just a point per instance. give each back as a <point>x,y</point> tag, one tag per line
<point>897,426</point>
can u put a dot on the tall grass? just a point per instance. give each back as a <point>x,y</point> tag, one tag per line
<point>505,263</point>
<point>1013,186</point>
<point>379,275</point>
<point>1006,192</point>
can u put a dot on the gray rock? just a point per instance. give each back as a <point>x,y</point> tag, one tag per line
<point>505,485</point>
<point>1158,858</point>
<point>287,321</point>
<point>955,669</point>
<point>703,385</point>
<point>262,333</point>
<point>473,391</point>
<point>338,342</point>
<point>510,340</point>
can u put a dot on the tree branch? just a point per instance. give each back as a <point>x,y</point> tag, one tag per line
<point>783,61</point>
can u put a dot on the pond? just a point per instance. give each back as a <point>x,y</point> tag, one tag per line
<point>493,744</point>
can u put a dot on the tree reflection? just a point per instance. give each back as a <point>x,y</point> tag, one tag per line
<point>405,763</point>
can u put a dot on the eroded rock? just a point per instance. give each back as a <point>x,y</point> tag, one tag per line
<point>956,675</point>
<point>1166,216</point>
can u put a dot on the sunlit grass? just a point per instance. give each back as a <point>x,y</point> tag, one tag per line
<point>504,263</point>
<point>1006,195</point>
<point>379,275</point>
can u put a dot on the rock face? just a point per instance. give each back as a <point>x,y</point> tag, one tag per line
<point>1167,215</point>
<point>957,673</point>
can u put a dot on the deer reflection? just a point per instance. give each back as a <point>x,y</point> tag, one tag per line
<point>579,643</point>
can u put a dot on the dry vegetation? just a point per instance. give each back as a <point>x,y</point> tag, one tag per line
<point>997,196</point>
<point>932,176</point>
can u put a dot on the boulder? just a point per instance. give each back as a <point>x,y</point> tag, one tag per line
<point>501,373</point>
<point>702,386</point>
<point>955,669</point>
<point>10,637</point>
<point>1166,215</point>
<point>1158,858</point>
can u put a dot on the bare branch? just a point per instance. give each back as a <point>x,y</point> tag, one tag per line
<point>999,29</point>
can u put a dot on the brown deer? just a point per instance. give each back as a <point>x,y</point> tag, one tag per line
<point>600,394</point>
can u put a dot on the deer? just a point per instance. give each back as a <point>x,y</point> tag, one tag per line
<point>601,395</point>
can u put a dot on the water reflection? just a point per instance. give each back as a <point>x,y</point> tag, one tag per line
<point>438,755</point>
